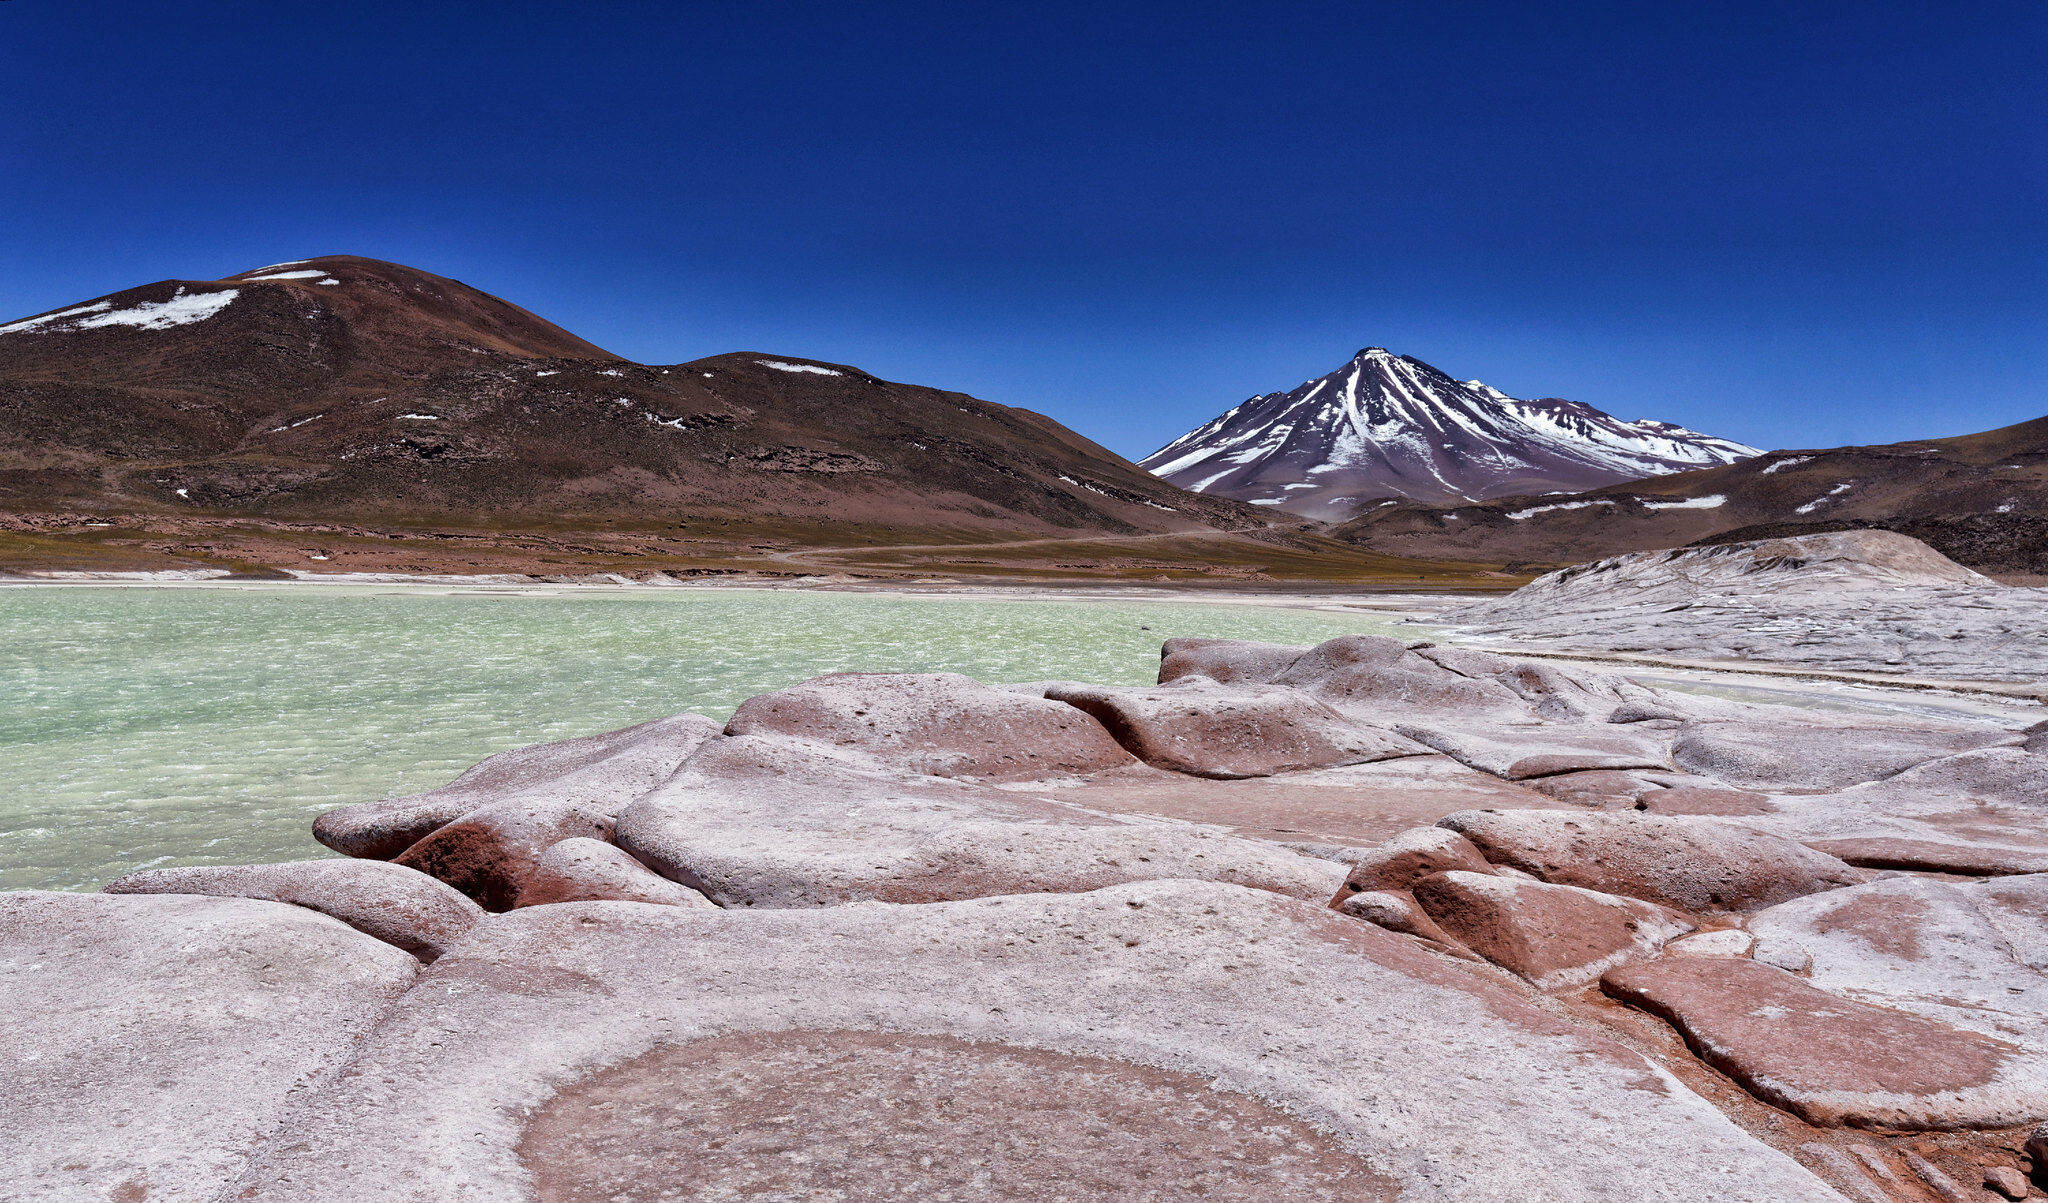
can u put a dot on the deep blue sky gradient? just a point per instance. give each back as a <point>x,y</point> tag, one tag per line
<point>1797,225</point>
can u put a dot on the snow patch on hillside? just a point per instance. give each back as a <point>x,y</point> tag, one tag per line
<point>181,310</point>
<point>781,366</point>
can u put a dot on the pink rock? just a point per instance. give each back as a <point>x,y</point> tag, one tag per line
<point>1226,661</point>
<point>938,724</point>
<point>491,854</point>
<point>602,771</point>
<point>1154,1040</point>
<point>149,1042</point>
<point>1411,856</point>
<point>771,821</point>
<point>581,869</point>
<point>398,905</point>
<point>1692,864</point>
<point>1833,1061</point>
<point>1198,727</point>
<point>1555,936</point>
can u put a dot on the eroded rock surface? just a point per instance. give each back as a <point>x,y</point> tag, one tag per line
<point>582,869</point>
<point>1555,936</point>
<point>1869,600</point>
<point>493,852</point>
<point>400,906</point>
<point>939,724</point>
<point>151,1041</point>
<point>770,821</point>
<point>1209,730</point>
<point>1692,864</point>
<point>1831,1060</point>
<point>1108,1004</point>
<point>602,772</point>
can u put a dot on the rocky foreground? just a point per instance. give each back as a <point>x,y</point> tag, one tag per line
<point>1866,600</point>
<point>1371,920</point>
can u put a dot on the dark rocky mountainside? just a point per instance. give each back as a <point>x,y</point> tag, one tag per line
<point>1387,425</point>
<point>1978,499</point>
<point>348,389</point>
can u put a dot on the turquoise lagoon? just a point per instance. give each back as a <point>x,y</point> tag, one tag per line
<point>209,725</point>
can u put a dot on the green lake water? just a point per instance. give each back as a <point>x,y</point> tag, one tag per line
<point>169,726</point>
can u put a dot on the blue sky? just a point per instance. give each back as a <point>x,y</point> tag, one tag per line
<point>1796,225</point>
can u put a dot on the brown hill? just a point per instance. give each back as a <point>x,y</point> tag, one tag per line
<point>1978,499</point>
<point>345,387</point>
<point>309,413</point>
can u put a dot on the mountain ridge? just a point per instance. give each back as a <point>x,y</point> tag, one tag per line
<point>1391,426</point>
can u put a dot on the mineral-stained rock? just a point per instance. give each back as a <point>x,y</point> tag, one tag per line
<point>1555,936</point>
<point>1833,1061</point>
<point>1813,755</point>
<point>151,1040</point>
<point>1155,1039</point>
<point>400,906</point>
<point>940,724</point>
<point>1411,856</point>
<point>582,869</point>
<point>1969,860</point>
<point>1353,805</point>
<point>1693,864</point>
<point>1970,955</point>
<point>491,853</point>
<point>1521,753</point>
<point>1228,661</point>
<point>771,821</point>
<point>600,771</point>
<point>1399,912</point>
<point>1197,726</point>
<point>1703,800</point>
<point>2006,1181</point>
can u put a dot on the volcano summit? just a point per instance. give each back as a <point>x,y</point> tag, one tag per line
<point>1391,426</point>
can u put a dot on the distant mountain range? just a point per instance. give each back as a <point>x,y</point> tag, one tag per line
<point>1980,499</point>
<point>344,388</point>
<point>1391,426</point>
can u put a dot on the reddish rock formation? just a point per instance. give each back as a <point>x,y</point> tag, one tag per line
<point>1692,864</point>
<point>491,853</point>
<point>1833,1061</point>
<point>602,771</point>
<point>1411,856</point>
<point>938,724</point>
<point>581,869</point>
<point>398,905</point>
<point>1374,1067</point>
<point>1555,936</point>
<point>755,820</point>
<point>1209,730</point>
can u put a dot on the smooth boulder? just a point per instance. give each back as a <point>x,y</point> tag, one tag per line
<point>400,906</point>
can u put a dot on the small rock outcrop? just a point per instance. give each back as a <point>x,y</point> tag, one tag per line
<point>1692,864</point>
<point>400,906</point>
<point>603,772</point>
<point>1555,936</point>
<point>1205,729</point>
<point>1831,1060</point>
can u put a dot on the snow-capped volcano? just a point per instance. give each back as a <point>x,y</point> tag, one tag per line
<point>1391,426</point>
